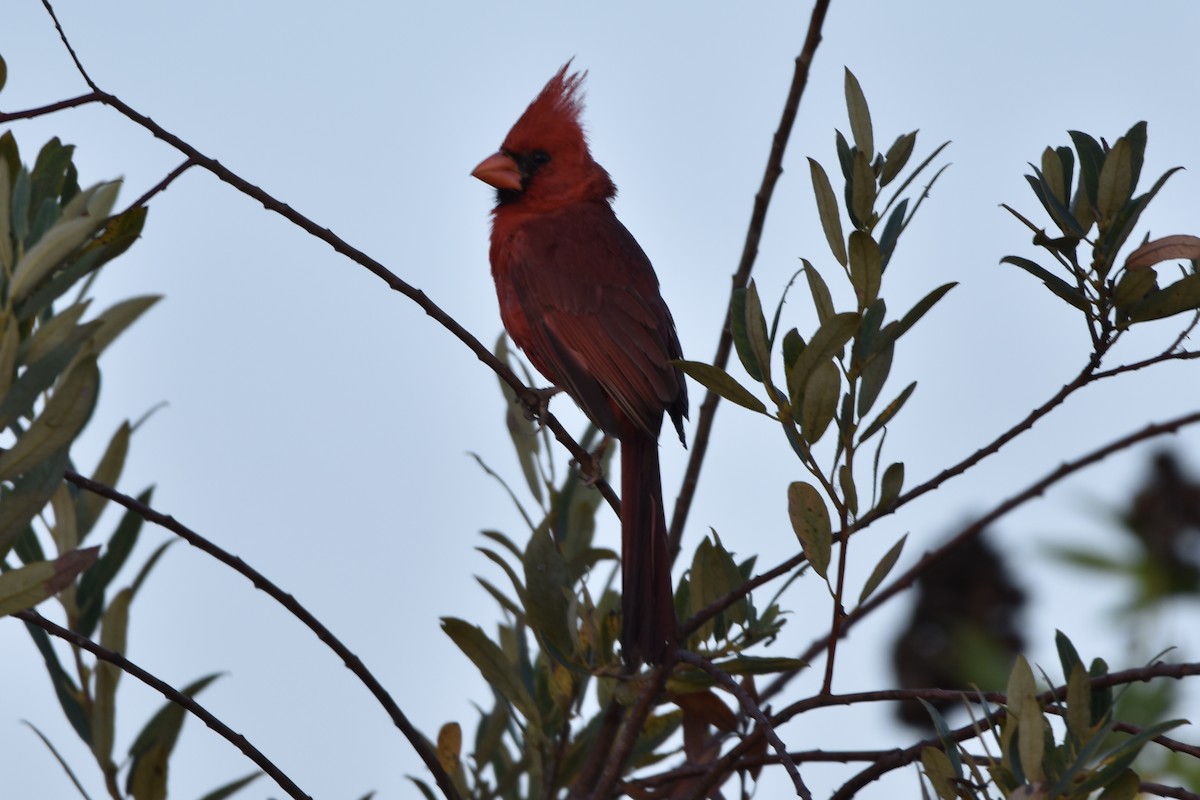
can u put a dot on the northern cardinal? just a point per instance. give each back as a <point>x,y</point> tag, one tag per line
<point>579,296</point>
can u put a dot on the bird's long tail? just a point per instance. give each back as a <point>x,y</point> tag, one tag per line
<point>648,626</point>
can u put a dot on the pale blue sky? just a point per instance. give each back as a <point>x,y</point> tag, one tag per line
<point>318,425</point>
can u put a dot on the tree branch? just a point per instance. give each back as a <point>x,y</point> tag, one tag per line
<point>758,217</point>
<point>172,694</point>
<point>260,581</point>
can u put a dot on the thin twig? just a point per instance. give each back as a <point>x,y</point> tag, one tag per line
<point>31,113</point>
<point>260,581</point>
<point>172,694</point>
<point>758,217</point>
<point>161,186</point>
<point>751,708</point>
<point>634,721</point>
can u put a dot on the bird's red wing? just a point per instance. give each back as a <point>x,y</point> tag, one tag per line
<point>596,317</point>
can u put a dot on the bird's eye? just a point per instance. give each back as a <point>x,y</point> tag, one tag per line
<point>539,157</point>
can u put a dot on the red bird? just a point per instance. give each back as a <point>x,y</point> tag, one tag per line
<point>579,296</point>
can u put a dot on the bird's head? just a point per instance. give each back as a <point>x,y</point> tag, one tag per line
<point>544,161</point>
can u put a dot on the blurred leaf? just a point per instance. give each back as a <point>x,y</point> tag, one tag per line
<point>94,582</point>
<point>1125,787</point>
<point>493,665</point>
<point>151,750</point>
<point>1179,246</point>
<point>65,414</point>
<point>890,411</point>
<point>849,490</point>
<point>882,569</point>
<point>3,73</point>
<point>1024,709</point>
<point>1068,656</point>
<point>426,792</point>
<point>119,316</point>
<point>89,505</point>
<point>546,584</point>
<point>820,401</point>
<point>866,268</point>
<point>860,190</point>
<point>1133,286</point>
<point>521,431</point>
<point>449,747</point>
<point>721,383</point>
<point>25,587</point>
<point>714,575</point>
<point>69,696</point>
<point>760,665</point>
<point>827,208</point>
<point>1053,282</point>
<point>28,495</point>
<point>860,116</point>
<point>897,156</point>
<point>817,287</point>
<point>54,331</point>
<point>54,751</point>
<point>1091,160</point>
<point>1116,180</point>
<point>891,233</point>
<point>104,708</point>
<point>1183,295</point>
<point>1079,703</point>
<point>940,773</point>
<point>810,521</point>
<point>54,247</point>
<point>892,483</point>
<point>232,788</point>
<point>40,376</point>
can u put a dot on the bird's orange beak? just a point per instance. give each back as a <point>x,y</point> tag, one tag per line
<point>500,171</point>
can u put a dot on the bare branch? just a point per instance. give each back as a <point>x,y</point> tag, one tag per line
<point>172,694</point>
<point>758,218</point>
<point>260,581</point>
<point>751,708</point>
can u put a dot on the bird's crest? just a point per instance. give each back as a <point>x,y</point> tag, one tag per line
<point>555,111</point>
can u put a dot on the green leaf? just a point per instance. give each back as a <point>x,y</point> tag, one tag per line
<point>827,208</point>
<point>546,584</point>
<point>822,300</point>
<point>493,665</point>
<point>52,333</point>
<point>714,575</point>
<point>65,414</point>
<point>1091,161</point>
<point>849,490</point>
<point>104,709</point>
<point>874,374</point>
<point>25,587</point>
<point>28,495</point>
<point>940,773</point>
<point>860,116</point>
<point>756,332</point>
<point>1079,703</point>
<point>888,413</point>
<point>825,344</point>
<point>232,788</point>
<point>38,377</point>
<point>738,326</point>
<point>1133,286</point>
<point>1116,180</point>
<point>810,521</point>
<point>892,483</point>
<point>88,505</point>
<point>882,569</point>
<point>151,750</point>
<point>721,383</point>
<point>866,267</point>
<point>820,401</point>
<point>58,243</point>
<point>1181,296</point>
<point>891,233</point>
<point>861,190</point>
<point>3,73</point>
<point>1024,709</point>
<point>115,319</point>
<point>69,696</point>
<point>90,593</point>
<point>1054,283</point>
<point>897,156</point>
<point>760,665</point>
<point>1125,787</point>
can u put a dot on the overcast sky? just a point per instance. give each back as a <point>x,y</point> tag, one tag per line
<point>318,424</point>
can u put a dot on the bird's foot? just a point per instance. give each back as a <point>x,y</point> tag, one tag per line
<point>591,470</point>
<point>536,402</point>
